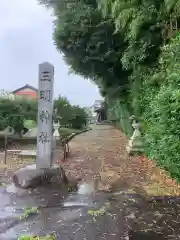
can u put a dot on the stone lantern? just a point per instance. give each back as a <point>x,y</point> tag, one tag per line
<point>56,126</point>
<point>135,144</point>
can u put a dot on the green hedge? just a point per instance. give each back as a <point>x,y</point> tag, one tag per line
<point>163,111</point>
<point>64,132</point>
<point>119,115</point>
<point>16,142</point>
<point>159,107</point>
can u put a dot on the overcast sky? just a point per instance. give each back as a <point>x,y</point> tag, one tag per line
<point>25,41</point>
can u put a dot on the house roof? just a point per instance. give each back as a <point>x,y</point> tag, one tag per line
<point>26,86</point>
<point>98,103</point>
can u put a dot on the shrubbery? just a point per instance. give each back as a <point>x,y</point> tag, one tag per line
<point>13,113</point>
<point>162,114</point>
<point>129,49</point>
<point>70,116</point>
<point>20,114</point>
<point>159,103</point>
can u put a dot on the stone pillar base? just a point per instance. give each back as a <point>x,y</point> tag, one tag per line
<point>31,177</point>
<point>134,150</point>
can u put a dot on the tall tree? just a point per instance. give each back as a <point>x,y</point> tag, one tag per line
<point>68,114</point>
<point>90,45</point>
<point>13,113</point>
<point>64,110</point>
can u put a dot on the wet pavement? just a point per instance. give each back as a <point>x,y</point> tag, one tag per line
<point>86,215</point>
<point>89,215</point>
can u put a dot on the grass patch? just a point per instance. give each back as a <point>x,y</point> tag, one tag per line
<point>98,212</point>
<point>25,237</point>
<point>2,184</point>
<point>29,212</point>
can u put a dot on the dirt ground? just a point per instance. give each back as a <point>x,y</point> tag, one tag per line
<point>13,162</point>
<point>101,154</point>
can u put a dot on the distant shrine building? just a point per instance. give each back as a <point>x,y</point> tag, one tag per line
<point>99,109</point>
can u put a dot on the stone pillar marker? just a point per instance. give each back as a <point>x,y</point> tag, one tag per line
<point>45,113</point>
<point>43,172</point>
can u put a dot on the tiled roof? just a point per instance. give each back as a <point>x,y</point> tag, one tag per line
<point>26,86</point>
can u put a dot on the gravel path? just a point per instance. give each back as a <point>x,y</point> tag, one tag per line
<point>102,152</point>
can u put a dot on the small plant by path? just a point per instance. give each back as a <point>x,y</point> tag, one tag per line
<point>98,212</point>
<point>29,212</point>
<point>2,184</point>
<point>48,237</point>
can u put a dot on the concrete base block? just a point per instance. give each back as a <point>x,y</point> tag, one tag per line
<point>29,176</point>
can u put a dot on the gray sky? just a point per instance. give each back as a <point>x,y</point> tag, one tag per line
<point>26,40</point>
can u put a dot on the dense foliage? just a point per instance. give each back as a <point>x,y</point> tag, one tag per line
<point>162,112</point>
<point>130,49</point>
<point>69,115</point>
<point>13,113</point>
<point>21,114</point>
<point>63,110</point>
